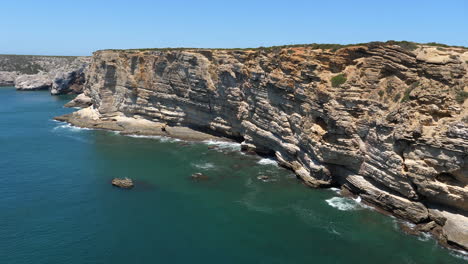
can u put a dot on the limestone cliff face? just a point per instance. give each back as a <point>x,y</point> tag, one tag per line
<point>59,74</point>
<point>387,123</point>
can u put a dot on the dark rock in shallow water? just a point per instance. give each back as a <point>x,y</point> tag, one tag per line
<point>199,176</point>
<point>263,177</point>
<point>427,226</point>
<point>124,183</point>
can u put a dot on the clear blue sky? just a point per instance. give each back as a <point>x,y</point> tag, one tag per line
<point>80,27</point>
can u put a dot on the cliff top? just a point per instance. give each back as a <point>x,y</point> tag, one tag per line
<point>407,45</point>
<point>32,64</point>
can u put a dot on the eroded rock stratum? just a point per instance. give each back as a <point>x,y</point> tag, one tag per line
<point>387,123</point>
<point>59,74</point>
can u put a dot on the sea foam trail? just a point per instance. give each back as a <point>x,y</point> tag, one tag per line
<point>160,138</point>
<point>459,254</point>
<point>342,204</point>
<point>70,128</point>
<point>204,166</point>
<point>224,145</point>
<point>347,204</point>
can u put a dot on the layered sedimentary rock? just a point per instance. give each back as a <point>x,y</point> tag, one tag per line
<point>387,123</point>
<point>7,78</point>
<point>69,79</point>
<point>31,82</point>
<point>60,75</point>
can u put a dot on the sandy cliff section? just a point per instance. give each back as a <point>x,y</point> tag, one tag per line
<point>387,123</point>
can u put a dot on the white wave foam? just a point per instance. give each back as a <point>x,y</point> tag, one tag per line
<point>70,128</point>
<point>342,203</point>
<point>333,231</point>
<point>347,204</point>
<point>407,223</point>
<point>361,204</point>
<point>250,199</point>
<point>224,145</point>
<point>267,161</point>
<point>265,178</point>
<point>424,237</point>
<point>335,190</point>
<point>160,138</point>
<point>204,166</point>
<point>459,254</point>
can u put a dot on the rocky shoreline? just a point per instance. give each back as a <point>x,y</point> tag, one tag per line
<point>58,74</point>
<point>382,121</point>
<point>87,118</point>
<point>90,118</point>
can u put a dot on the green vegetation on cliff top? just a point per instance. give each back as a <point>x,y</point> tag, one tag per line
<point>29,64</point>
<point>408,45</point>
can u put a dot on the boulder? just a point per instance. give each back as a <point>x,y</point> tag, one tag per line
<point>263,178</point>
<point>81,101</point>
<point>456,229</point>
<point>199,176</point>
<point>124,183</point>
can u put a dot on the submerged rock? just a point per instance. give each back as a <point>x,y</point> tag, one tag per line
<point>263,177</point>
<point>199,176</point>
<point>125,183</point>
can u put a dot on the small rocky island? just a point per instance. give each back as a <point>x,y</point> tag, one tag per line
<point>124,183</point>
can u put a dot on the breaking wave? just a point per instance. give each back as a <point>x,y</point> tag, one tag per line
<point>347,204</point>
<point>459,254</point>
<point>342,204</point>
<point>204,166</point>
<point>424,237</point>
<point>267,161</point>
<point>160,138</point>
<point>69,127</point>
<point>224,145</point>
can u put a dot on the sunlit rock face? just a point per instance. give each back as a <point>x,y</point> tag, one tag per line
<point>59,74</point>
<point>385,122</point>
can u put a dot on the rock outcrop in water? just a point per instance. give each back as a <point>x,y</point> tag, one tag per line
<point>60,75</point>
<point>124,183</point>
<point>383,121</point>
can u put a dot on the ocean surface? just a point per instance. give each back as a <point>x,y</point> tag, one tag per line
<point>57,204</point>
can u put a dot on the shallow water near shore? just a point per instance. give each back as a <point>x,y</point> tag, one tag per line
<point>57,204</point>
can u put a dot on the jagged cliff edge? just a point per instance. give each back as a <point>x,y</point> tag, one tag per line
<point>384,122</point>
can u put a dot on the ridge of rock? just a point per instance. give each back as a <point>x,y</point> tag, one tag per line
<point>387,123</point>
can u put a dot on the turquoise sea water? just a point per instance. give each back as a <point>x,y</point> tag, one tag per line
<point>57,204</point>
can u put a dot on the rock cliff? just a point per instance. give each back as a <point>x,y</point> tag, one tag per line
<point>384,121</point>
<point>59,74</point>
